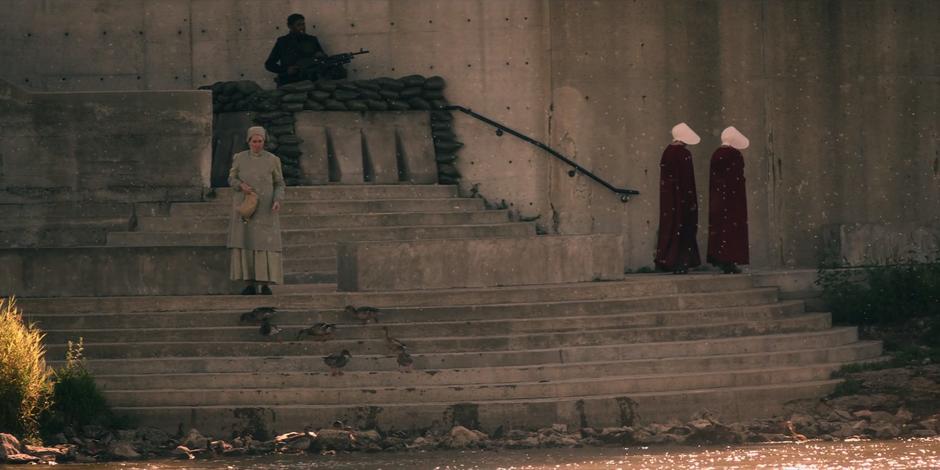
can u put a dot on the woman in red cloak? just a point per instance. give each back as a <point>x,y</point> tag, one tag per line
<point>727,204</point>
<point>677,249</point>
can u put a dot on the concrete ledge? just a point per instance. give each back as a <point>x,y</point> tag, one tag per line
<point>796,284</point>
<point>729,404</point>
<point>145,145</point>
<point>440,264</point>
<point>114,271</point>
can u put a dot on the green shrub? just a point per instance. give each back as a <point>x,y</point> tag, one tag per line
<point>24,378</point>
<point>847,387</point>
<point>882,294</point>
<point>77,399</point>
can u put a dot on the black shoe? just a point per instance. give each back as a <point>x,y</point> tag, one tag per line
<point>681,270</point>
<point>265,290</point>
<point>250,290</point>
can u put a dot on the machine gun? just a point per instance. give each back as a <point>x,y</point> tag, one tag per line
<point>341,58</point>
<point>330,61</point>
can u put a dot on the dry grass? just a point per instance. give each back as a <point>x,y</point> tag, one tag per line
<point>25,381</point>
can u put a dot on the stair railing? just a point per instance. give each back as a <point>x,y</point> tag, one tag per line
<point>623,193</point>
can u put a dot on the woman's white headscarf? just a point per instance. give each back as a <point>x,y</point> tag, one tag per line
<point>256,130</point>
<point>734,138</point>
<point>683,132</point>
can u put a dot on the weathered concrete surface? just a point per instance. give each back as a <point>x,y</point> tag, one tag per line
<point>793,284</point>
<point>114,271</point>
<point>653,347</point>
<point>838,98</point>
<point>729,404</point>
<point>437,264</point>
<point>123,146</point>
<point>368,147</point>
<point>229,137</point>
<point>861,244</point>
<point>492,54</point>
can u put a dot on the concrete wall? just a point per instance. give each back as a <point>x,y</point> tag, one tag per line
<point>487,262</point>
<point>492,52</point>
<point>125,146</point>
<point>838,97</point>
<point>115,271</point>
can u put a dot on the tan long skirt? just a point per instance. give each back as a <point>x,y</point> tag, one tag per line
<point>256,265</point>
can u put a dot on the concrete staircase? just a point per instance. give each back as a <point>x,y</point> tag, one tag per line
<point>649,348</point>
<point>606,353</point>
<point>315,218</point>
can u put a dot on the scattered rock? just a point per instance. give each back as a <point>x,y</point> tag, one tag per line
<point>152,435</point>
<point>334,439</point>
<point>195,440</point>
<point>9,445</point>
<point>122,450</point>
<point>460,437</point>
<point>21,458</point>
<point>183,452</point>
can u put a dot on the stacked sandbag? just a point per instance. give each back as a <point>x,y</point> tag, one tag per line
<point>243,95</point>
<point>274,109</point>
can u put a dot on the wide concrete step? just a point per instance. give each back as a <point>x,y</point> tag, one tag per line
<point>728,403</point>
<point>59,233</point>
<point>409,322</point>
<point>293,237</point>
<point>309,250</point>
<point>510,342</point>
<point>308,277</point>
<point>314,297</point>
<point>308,208</point>
<point>410,315</point>
<point>348,192</point>
<point>407,332</point>
<point>391,219</point>
<point>66,211</point>
<point>308,264</point>
<point>309,372</point>
<point>611,385</point>
<point>835,337</point>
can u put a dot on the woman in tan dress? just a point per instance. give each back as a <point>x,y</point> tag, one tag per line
<point>255,242</point>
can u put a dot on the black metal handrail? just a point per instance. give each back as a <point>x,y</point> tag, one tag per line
<point>500,128</point>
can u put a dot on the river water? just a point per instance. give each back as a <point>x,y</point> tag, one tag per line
<point>911,453</point>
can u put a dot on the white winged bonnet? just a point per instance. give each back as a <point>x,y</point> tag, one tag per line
<point>684,133</point>
<point>734,138</point>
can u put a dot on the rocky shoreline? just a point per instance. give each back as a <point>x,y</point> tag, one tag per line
<point>890,403</point>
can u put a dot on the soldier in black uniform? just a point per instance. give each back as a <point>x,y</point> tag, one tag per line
<point>295,56</point>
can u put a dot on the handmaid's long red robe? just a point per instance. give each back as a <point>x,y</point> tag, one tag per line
<point>727,209</point>
<point>678,211</point>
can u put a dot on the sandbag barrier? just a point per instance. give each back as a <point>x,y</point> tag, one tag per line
<point>274,109</point>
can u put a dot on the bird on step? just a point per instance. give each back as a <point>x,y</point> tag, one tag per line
<point>257,315</point>
<point>394,344</point>
<point>319,331</point>
<point>364,314</point>
<point>337,361</point>
<point>268,329</point>
<point>405,361</point>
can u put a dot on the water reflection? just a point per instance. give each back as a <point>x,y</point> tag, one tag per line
<point>908,454</point>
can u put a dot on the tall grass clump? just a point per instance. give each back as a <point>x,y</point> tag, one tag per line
<point>25,385</point>
<point>77,400</point>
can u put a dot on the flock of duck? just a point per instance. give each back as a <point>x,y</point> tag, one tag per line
<point>322,331</point>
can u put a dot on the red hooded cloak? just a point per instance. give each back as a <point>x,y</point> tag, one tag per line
<point>678,211</point>
<point>727,209</point>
